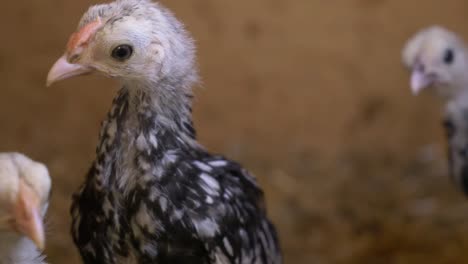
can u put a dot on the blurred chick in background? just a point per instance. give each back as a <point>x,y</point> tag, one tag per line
<point>438,62</point>
<point>24,194</point>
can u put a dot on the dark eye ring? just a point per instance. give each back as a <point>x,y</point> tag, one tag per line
<point>449,56</point>
<point>122,52</point>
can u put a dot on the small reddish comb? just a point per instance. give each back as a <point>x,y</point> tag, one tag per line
<point>82,36</point>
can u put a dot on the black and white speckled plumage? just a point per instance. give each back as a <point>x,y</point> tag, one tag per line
<point>155,195</point>
<point>438,60</point>
<point>456,131</point>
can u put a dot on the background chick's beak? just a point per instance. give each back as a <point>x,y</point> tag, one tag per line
<point>420,80</point>
<point>27,216</point>
<point>62,70</point>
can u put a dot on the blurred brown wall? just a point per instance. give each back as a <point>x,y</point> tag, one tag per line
<point>286,84</point>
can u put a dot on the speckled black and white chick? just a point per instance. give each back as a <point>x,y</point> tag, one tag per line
<point>154,194</point>
<point>24,195</point>
<point>438,60</point>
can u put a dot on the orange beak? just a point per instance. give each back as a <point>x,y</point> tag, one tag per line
<point>78,41</point>
<point>27,216</point>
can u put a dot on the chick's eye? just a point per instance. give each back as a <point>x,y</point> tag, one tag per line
<point>449,56</point>
<point>122,52</point>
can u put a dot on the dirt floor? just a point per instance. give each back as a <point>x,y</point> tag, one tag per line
<point>310,95</point>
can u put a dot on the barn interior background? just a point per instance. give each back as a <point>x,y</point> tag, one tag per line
<point>310,95</point>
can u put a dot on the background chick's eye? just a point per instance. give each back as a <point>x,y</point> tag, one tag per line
<point>122,52</point>
<point>449,56</point>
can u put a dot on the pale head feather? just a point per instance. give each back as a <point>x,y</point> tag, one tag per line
<point>427,48</point>
<point>162,48</point>
<point>15,167</point>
